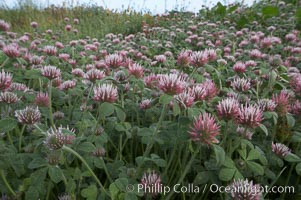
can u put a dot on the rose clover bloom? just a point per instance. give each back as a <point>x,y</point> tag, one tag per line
<point>204,129</point>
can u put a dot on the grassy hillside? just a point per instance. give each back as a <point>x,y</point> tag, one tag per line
<point>94,21</point>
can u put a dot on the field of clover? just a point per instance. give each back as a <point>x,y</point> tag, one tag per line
<point>194,99</point>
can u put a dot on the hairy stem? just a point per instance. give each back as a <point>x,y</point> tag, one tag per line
<point>88,167</point>
<point>106,170</point>
<point>151,144</point>
<point>21,137</point>
<point>186,170</point>
<point>50,103</point>
<point>3,64</point>
<point>7,184</point>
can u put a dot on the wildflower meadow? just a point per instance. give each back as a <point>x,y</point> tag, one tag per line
<point>97,104</point>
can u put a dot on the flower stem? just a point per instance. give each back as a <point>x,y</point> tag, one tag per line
<point>122,99</point>
<point>87,166</point>
<point>186,170</point>
<point>120,147</point>
<point>50,103</point>
<point>9,138</point>
<point>257,90</point>
<point>106,170</point>
<point>170,159</point>
<point>151,143</point>
<point>288,178</point>
<point>193,71</point>
<point>48,190</point>
<point>21,137</point>
<point>7,184</point>
<point>224,142</point>
<point>43,132</point>
<point>6,60</point>
<point>276,179</point>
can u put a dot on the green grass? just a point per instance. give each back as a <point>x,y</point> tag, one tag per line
<point>95,21</point>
